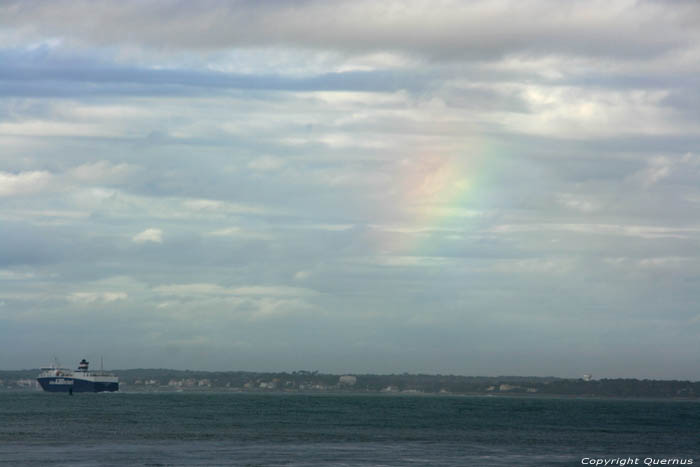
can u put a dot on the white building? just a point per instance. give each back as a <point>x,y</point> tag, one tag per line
<point>347,380</point>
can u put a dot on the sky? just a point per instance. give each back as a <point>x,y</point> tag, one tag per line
<point>442,187</point>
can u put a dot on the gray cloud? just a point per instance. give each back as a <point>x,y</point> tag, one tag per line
<point>447,30</point>
<point>39,74</point>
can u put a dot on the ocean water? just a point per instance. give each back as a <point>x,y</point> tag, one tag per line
<point>225,429</point>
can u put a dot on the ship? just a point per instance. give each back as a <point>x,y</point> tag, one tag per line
<point>57,379</point>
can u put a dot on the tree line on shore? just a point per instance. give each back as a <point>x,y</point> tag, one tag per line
<point>165,379</point>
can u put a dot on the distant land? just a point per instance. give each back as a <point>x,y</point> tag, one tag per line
<point>163,380</point>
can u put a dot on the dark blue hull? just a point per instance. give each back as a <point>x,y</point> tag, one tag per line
<point>75,385</point>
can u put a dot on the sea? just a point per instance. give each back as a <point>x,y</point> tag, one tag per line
<point>243,429</point>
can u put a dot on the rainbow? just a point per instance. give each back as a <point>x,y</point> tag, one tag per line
<point>433,192</point>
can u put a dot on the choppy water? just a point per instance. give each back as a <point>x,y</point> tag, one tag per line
<point>38,429</point>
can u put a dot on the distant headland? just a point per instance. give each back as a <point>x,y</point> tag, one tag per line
<point>140,380</point>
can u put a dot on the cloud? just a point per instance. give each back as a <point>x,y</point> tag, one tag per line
<point>274,307</point>
<point>23,183</point>
<point>30,73</point>
<point>149,235</point>
<point>7,274</point>
<point>227,232</point>
<point>204,289</point>
<point>100,172</point>
<point>273,291</point>
<point>577,202</point>
<point>237,232</point>
<point>221,207</point>
<point>668,169</point>
<point>266,163</point>
<point>302,275</point>
<point>626,230</point>
<point>247,303</point>
<point>450,29</point>
<point>190,289</point>
<point>97,297</point>
<point>665,262</point>
<point>431,180</point>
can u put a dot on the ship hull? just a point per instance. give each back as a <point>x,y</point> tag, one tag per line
<point>65,384</point>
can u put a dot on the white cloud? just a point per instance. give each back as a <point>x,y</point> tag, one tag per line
<point>577,202</point>
<point>533,266</point>
<point>43,128</point>
<point>93,297</point>
<point>302,275</point>
<point>7,274</point>
<point>665,262</point>
<point>239,233</point>
<point>100,171</point>
<point>209,289</point>
<point>266,163</point>
<point>577,111</point>
<point>204,204</point>
<point>274,307</point>
<point>220,207</point>
<point>657,169</point>
<point>227,232</point>
<point>273,291</point>
<point>660,168</point>
<point>190,289</point>
<point>149,235</point>
<point>403,261</point>
<point>23,183</point>
<point>625,230</point>
<point>249,303</point>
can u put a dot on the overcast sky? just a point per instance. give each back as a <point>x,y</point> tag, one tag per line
<point>477,188</point>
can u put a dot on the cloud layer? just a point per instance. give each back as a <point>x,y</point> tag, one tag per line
<point>452,187</point>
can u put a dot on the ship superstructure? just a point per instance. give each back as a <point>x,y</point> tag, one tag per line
<point>57,379</point>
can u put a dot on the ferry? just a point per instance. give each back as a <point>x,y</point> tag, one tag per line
<point>57,379</point>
